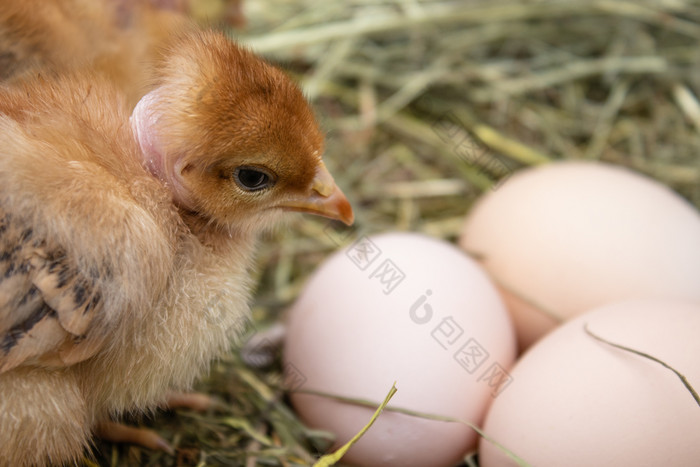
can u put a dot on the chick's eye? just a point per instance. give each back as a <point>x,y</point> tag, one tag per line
<point>252,179</point>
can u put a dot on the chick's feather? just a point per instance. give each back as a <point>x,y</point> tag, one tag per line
<point>113,37</point>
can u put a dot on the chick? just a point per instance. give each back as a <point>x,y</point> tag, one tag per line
<point>126,241</point>
<point>117,38</point>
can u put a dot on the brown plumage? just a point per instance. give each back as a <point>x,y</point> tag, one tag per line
<point>126,242</point>
<point>117,38</point>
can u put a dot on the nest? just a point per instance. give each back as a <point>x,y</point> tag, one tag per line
<point>427,105</point>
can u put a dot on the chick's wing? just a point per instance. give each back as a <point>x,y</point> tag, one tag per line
<point>87,237</point>
<point>46,305</point>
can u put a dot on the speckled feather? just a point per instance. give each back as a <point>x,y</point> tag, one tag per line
<point>46,305</point>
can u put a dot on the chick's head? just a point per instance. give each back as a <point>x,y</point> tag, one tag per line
<point>233,137</point>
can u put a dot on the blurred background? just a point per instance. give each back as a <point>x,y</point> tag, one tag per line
<point>427,105</point>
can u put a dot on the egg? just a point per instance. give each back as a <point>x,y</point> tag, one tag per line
<point>566,237</point>
<point>576,401</point>
<point>401,308</point>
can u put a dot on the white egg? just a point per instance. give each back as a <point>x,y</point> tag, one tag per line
<point>403,308</point>
<point>575,401</point>
<point>570,236</point>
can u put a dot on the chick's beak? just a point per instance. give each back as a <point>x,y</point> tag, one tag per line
<point>325,199</point>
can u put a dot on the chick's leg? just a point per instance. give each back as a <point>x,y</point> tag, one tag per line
<point>118,433</point>
<point>189,400</point>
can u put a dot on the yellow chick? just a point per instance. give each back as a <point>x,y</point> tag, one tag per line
<point>126,240</point>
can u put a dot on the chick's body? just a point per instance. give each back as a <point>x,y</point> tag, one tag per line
<point>85,227</point>
<point>117,38</point>
<point>125,245</point>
